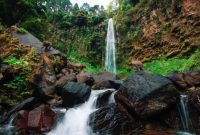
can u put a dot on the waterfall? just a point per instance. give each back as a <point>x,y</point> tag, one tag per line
<point>184,112</point>
<point>185,118</point>
<point>8,129</point>
<point>110,62</point>
<point>112,97</point>
<point>75,121</point>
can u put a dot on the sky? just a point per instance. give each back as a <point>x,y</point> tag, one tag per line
<point>105,3</point>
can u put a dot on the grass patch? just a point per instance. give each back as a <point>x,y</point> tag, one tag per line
<point>164,67</point>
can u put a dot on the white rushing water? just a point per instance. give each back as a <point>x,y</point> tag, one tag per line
<point>112,97</point>
<point>8,129</point>
<point>75,121</point>
<point>184,112</point>
<point>110,62</point>
<point>185,118</point>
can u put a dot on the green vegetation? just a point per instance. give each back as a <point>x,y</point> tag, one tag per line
<point>164,67</point>
<point>80,31</point>
<point>21,30</point>
<point>89,67</point>
<point>193,62</point>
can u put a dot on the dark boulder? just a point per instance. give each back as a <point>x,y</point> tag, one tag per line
<point>116,84</point>
<point>146,94</point>
<point>112,120</point>
<point>38,120</point>
<point>75,93</point>
<point>103,98</point>
<point>85,78</point>
<point>64,80</point>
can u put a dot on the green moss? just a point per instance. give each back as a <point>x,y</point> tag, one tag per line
<point>21,30</point>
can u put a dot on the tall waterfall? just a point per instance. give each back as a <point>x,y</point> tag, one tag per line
<point>110,63</point>
<point>75,121</point>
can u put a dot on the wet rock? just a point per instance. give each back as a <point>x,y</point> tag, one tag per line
<point>25,105</point>
<point>115,83</point>
<point>104,76</point>
<point>112,119</point>
<point>85,78</point>
<point>102,85</point>
<point>178,79</point>
<point>146,95</point>
<point>194,98</point>
<point>192,78</point>
<point>38,120</point>
<point>75,93</point>
<point>64,80</point>
<point>183,81</point>
<point>103,98</point>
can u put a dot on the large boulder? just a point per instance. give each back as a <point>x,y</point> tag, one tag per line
<point>85,78</point>
<point>103,98</point>
<point>38,120</point>
<point>75,93</point>
<point>116,84</point>
<point>103,76</point>
<point>146,94</point>
<point>64,80</point>
<point>112,119</point>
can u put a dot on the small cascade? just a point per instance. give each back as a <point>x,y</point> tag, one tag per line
<point>8,129</point>
<point>184,112</point>
<point>185,118</point>
<point>110,62</point>
<point>75,121</point>
<point>112,98</point>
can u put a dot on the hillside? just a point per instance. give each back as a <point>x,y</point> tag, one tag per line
<point>159,30</point>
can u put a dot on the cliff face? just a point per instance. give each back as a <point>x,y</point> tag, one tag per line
<point>158,29</point>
